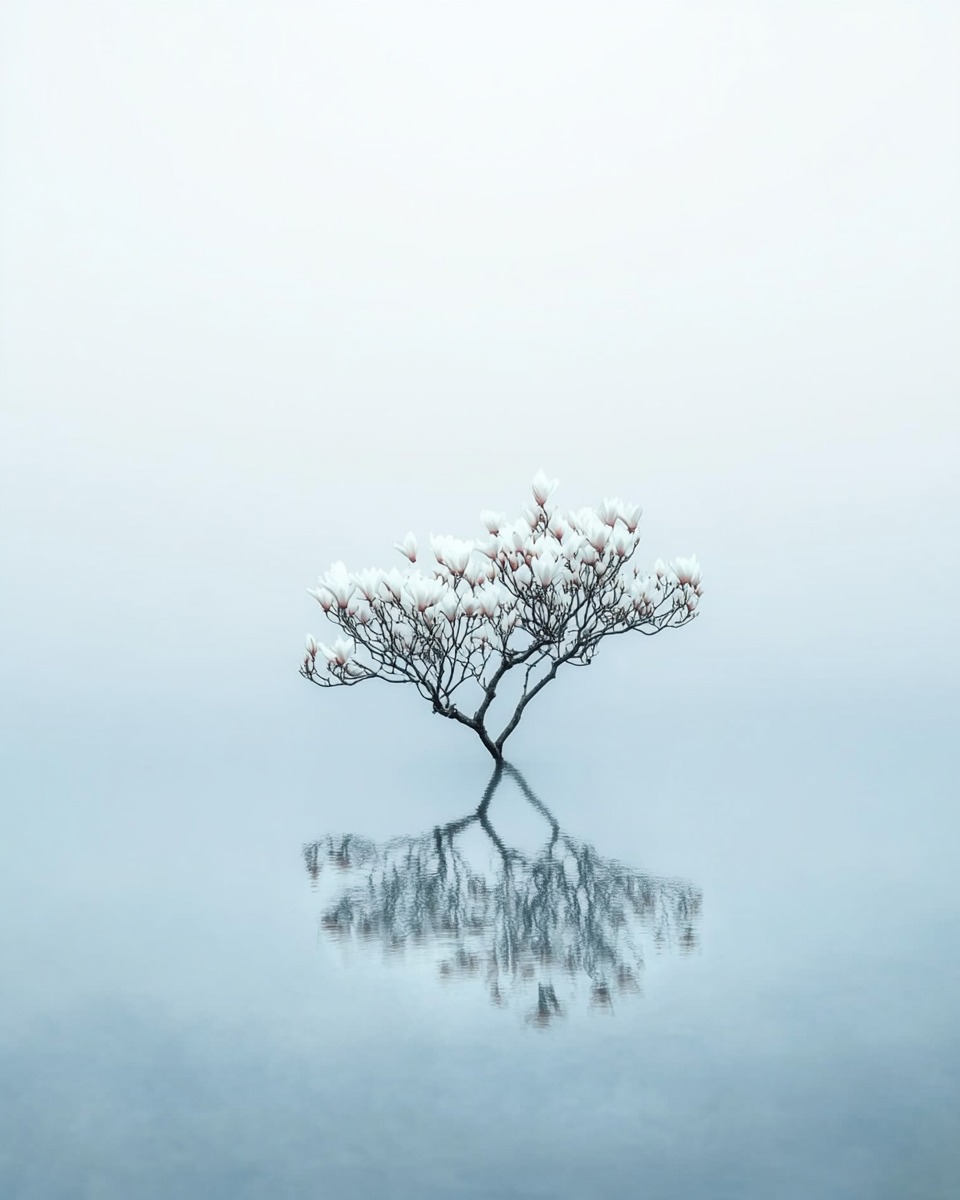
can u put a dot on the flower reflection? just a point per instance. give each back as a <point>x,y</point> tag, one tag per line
<point>563,914</point>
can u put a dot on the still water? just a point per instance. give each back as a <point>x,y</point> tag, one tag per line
<point>252,955</point>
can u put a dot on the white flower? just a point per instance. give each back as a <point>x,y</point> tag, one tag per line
<point>523,576</point>
<point>344,649</point>
<point>494,521</point>
<point>408,546</point>
<point>491,547</point>
<point>369,581</point>
<point>324,596</point>
<point>543,488</point>
<point>490,600</point>
<point>451,553</point>
<point>423,592</point>
<point>630,515</point>
<point>687,570</point>
<point>340,583</point>
<point>340,653</point>
<point>391,584</point>
<point>608,510</point>
<point>449,606</point>
<point>471,605</point>
<point>621,541</point>
<point>571,544</point>
<point>312,646</point>
<point>597,536</point>
<point>545,569</point>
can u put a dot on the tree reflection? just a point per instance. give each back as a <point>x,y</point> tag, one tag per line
<point>528,921</point>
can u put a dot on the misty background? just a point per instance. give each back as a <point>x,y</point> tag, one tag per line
<point>282,282</point>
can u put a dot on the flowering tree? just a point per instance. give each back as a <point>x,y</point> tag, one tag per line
<point>538,593</point>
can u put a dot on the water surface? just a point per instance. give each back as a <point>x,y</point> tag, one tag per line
<point>247,958</point>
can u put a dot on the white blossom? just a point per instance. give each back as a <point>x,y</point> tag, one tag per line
<point>449,605</point>
<point>545,569</point>
<point>609,510</point>
<point>325,597</point>
<point>687,570</point>
<point>543,488</point>
<point>339,583</point>
<point>369,582</point>
<point>451,553</point>
<point>598,535</point>
<point>422,591</point>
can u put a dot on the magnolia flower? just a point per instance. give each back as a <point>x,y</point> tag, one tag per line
<point>609,510</point>
<point>324,596</point>
<point>449,606</point>
<point>369,581</point>
<point>312,646</point>
<point>621,541</point>
<point>340,583</point>
<point>597,536</point>
<point>391,584</point>
<point>451,553</point>
<point>344,649</point>
<point>687,570</point>
<point>423,592</point>
<point>340,653</point>
<point>523,576</point>
<point>471,605</point>
<point>494,521</point>
<point>489,600</point>
<point>543,488</point>
<point>630,515</point>
<point>474,571</point>
<point>491,547</point>
<point>408,546</point>
<point>545,569</point>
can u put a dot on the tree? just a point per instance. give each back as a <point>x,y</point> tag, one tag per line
<point>562,913</point>
<point>538,593</point>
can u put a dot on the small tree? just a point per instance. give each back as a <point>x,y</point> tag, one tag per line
<point>536,594</point>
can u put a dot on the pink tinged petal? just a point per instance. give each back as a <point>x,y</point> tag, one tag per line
<point>630,515</point>
<point>494,521</point>
<point>543,488</point>
<point>609,510</point>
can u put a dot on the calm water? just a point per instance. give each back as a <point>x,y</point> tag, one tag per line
<point>251,954</point>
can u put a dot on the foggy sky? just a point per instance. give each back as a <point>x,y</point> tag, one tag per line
<point>280,283</point>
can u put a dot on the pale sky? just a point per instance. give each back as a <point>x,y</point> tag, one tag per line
<point>281,282</point>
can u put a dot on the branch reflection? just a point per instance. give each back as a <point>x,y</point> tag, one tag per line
<point>528,921</point>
